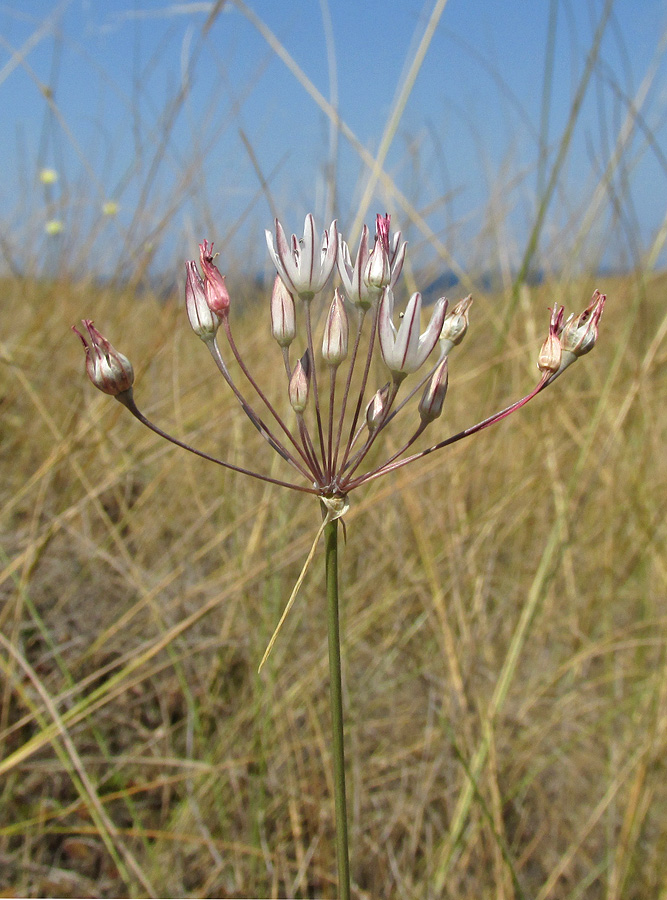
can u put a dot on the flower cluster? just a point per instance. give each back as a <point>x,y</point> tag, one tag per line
<point>336,419</point>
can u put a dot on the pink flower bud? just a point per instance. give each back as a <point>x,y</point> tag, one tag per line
<point>433,398</point>
<point>108,369</point>
<point>375,410</point>
<point>283,321</point>
<point>299,384</point>
<point>336,329</point>
<point>378,268</point>
<point>203,320</point>
<point>215,289</point>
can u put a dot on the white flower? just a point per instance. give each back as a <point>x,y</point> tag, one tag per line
<point>405,350</point>
<point>304,270</point>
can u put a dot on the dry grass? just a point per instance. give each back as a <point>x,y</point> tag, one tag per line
<point>504,627</point>
<point>504,620</point>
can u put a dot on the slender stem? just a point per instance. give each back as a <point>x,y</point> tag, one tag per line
<point>485,423</point>
<point>348,382</point>
<point>265,400</point>
<point>316,394</point>
<point>336,692</point>
<point>362,389</point>
<point>125,397</point>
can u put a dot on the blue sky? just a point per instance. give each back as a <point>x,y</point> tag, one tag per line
<point>465,154</point>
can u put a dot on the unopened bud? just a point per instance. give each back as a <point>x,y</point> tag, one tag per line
<point>455,325</point>
<point>433,398</point>
<point>375,411</point>
<point>300,383</point>
<point>334,342</point>
<point>203,320</point>
<point>283,320</point>
<point>215,289</point>
<point>108,369</point>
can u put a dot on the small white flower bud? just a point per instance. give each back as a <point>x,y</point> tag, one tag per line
<point>336,330</point>
<point>283,320</point>
<point>299,384</point>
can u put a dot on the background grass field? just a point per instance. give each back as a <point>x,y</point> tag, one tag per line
<point>504,618</point>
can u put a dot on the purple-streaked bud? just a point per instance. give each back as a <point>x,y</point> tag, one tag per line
<point>108,369</point>
<point>203,320</point>
<point>283,320</point>
<point>405,350</point>
<point>433,398</point>
<point>580,333</point>
<point>375,411</point>
<point>215,289</point>
<point>299,384</point>
<point>378,268</point>
<point>550,356</point>
<point>303,268</point>
<point>455,325</point>
<point>355,286</point>
<point>336,330</point>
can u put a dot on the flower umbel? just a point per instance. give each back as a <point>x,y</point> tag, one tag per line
<point>327,444</point>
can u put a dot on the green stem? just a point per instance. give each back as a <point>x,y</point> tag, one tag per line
<point>335,687</point>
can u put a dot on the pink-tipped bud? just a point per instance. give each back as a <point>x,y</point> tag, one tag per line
<point>375,411</point>
<point>283,320</point>
<point>203,320</point>
<point>215,289</point>
<point>108,369</point>
<point>378,268</point>
<point>299,384</point>
<point>551,353</point>
<point>336,330</point>
<point>455,325</point>
<point>433,398</point>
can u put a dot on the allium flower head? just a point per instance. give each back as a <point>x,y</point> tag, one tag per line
<point>330,446</point>
<point>304,269</point>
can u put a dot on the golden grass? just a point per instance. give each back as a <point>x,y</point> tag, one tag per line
<point>503,618</point>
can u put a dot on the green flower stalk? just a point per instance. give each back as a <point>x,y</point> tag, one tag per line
<point>326,448</point>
